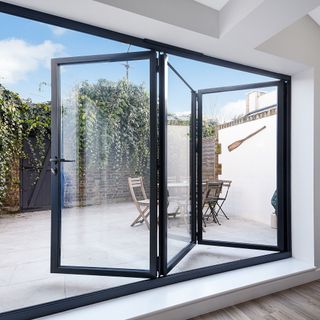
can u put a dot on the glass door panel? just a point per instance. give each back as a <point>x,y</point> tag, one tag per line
<point>177,109</point>
<point>104,165</point>
<point>238,166</point>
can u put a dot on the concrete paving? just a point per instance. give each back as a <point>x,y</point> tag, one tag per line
<point>102,236</point>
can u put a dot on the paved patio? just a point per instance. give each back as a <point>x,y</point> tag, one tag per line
<point>101,236</point>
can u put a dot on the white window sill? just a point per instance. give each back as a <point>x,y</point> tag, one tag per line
<point>190,298</point>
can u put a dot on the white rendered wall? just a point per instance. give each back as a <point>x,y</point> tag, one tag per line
<point>251,167</point>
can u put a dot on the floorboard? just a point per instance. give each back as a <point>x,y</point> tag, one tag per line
<point>300,303</point>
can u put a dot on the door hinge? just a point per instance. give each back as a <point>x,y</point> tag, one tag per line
<point>158,64</point>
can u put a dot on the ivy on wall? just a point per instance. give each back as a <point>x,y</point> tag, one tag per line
<point>19,120</point>
<point>106,126</point>
<point>112,123</point>
<point>209,129</point>
<point>111,129</point>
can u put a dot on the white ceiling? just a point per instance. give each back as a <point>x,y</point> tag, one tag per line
<point>234,33</point>
<point>187,14</point>
<point>315,15</point>
<point>214,4</point>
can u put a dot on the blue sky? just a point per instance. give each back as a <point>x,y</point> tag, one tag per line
<point>26,48</point>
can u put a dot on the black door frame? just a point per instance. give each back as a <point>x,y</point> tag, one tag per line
<point>61,305</point>
<point>282,135</point>
<point>56,160</point>
<point>167,265</point>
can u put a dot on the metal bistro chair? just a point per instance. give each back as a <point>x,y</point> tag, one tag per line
<point>142,205</point>
<point>223,196</point>
<point>210,199</point>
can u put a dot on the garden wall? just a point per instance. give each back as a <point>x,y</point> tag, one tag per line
<point>99,186</point>
<point>251,167</point>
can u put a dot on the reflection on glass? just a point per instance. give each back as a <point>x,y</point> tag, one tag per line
<point>178,165</point>
<point>105,132</point>
<point>239,166</point>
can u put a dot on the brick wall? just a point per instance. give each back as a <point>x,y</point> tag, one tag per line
<point>99,186</point>
<point>210,165</point>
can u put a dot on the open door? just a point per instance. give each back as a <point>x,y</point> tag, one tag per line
<point>236,196</point>
<point>92,209</point>
<point>177,167</point>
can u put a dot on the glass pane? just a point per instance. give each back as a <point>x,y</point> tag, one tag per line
<point>202,75</point>
<point>105,132</point>
<point>239,166</point>
<point>178,164</point>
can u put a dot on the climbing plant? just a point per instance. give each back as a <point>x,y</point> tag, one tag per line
<point>209,129</point>
<point>112,125</point>
<point>106,128</point>
<point>105,123</point>
<point>19,120</point>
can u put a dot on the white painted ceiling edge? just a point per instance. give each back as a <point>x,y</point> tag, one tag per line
<point>173,12</point>
<point>285,43</point>
<point>315,15</point>
<point>244,26</point>
<point>214,4</point>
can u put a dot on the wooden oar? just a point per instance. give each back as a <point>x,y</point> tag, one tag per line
<point>237,143</point>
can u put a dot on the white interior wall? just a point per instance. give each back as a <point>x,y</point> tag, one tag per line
<point>316,175</point>
<point>302,163</point>
<point>251,167</point>
<point>301,42</point>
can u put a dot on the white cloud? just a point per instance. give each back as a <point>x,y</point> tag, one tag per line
<point>18,58</point>
<point>58,31</point>
<point>237,108</point>
<point>183,113</point>
<point>231,110</point>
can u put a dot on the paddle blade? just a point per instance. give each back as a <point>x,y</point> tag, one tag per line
<point>234,145</point>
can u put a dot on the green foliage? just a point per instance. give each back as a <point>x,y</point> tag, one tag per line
<point>174,120</point>
<point>19,120</point>
<point>112,126</point>
<point>104,123</point>
<point>209,129</point>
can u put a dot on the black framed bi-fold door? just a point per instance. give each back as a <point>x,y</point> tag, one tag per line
<point>104,154</point>
<point>241,134</point>
<point>177,169</point>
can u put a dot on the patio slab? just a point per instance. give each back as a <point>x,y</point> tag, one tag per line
<point>99,236</point>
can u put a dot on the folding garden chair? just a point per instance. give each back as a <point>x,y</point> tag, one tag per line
<point>210,200</point>
<point>223,196</point>
<point>136,187</point>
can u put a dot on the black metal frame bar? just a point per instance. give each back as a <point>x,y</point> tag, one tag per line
<point>56,220</point>
<point>62,305</point>
<point>283,162</point>
<point>180,77</point>
<point>165,265</point>
<point>239,87</point>
<point>163,193</point>
<point>193,165</point>
<point>87,299</point>
<point>284,166</point>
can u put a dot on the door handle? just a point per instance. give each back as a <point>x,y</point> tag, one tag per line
<point>65,160</point>
<point>56,160</point>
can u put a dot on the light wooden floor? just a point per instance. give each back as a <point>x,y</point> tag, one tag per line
<point>300,303</point>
